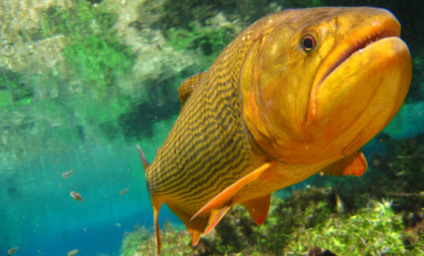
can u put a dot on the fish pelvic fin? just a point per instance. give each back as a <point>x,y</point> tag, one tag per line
<point>221,203</point>
<point>224,198</point>
<point>144,161</point>
<point>258,208</point>
<point>355,165</point>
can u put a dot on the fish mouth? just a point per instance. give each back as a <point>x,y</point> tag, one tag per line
<point>356,43</point>
<point>358,47</point>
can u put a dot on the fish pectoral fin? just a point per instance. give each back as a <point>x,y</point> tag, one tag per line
<point>355,165</point>
<point>195,227</point>
<point>188,86</point>
<point>224,198</point>
<point>258,208</point>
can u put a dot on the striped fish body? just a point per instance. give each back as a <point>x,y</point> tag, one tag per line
<point>208,148</point>
<point>268,113</point>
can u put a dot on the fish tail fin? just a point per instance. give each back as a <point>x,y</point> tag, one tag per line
<point>146,164</point>
<point>157,228</point>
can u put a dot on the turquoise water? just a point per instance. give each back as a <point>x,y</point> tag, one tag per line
<point>40,216</point>
<point>81,93</point>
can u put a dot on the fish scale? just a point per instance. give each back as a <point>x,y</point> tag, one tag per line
<point>212,101</point>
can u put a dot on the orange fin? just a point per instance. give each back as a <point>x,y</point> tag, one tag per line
<point>195,227</point>
<point>216,216</point>
<point>258,208</point>
<point>144,161</point>
<point>188,86</point>
<point>224,198</point>
<point>355,165</point>
<point>156,208</point>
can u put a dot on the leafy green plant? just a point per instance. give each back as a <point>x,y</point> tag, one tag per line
<point>14,91</point>
<point>209,39</point>
<point>132,240</point>
<point>92,52</point>
<point>375,230</point>
<point>142,242</point>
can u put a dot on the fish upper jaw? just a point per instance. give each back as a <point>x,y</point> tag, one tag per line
<point>359,87</point>
<point>383,26</point>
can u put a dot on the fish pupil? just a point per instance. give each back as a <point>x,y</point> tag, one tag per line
<point>308,43</point>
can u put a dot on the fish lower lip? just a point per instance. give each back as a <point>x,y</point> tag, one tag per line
<point>358,47</point>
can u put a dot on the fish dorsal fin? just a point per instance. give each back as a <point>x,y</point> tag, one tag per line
<point>258,208</point>
<point>355,165</point>
<point>221,203</point>
<point>146,164</point>
<point>188,86</point>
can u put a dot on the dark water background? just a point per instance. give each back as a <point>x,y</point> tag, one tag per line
<point>54,120</point>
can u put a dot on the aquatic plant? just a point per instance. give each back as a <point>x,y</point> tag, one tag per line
<point>93,52</point>
<point>295,225</point>
<point>13,90</point>
<point>209,39</point>
<point>132,239</point>
<point>142,242</point>
<point>374,230</point>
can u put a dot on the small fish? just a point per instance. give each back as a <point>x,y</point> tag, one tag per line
<point>125,190</point>
<point>339,203</point>
<point>76,196</point>
<point>118,224</point>
<point>67,173</point>
<point>73,252</point>
<point>12,250</point>
<point>297,93</point>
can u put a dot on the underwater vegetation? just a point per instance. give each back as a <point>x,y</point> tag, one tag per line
<point>93,51</point>
<point>380,213</point>
<point>87,48</point>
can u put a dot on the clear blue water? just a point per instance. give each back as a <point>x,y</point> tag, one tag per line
<point>40,217</point>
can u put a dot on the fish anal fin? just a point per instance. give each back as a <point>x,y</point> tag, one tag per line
<point>188,86</point>
<point>195,227</point>
<point>258,208</point>
<point>215,217</point>
<point>355,165</point>
<point>224,198</point>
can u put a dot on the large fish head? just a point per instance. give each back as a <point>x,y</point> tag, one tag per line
<point>319,83</point>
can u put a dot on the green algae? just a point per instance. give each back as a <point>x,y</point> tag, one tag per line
<point>92,52</point>
<point>374,230</point>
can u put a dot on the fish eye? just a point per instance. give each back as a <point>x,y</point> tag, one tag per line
<point>308,43</point>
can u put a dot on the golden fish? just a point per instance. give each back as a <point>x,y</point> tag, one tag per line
<point>76,196</point>
<point>67,173</point>
<point>12,250</point>
<point>297,93</point>
<point>124,191</point>
<point>73,252</point>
